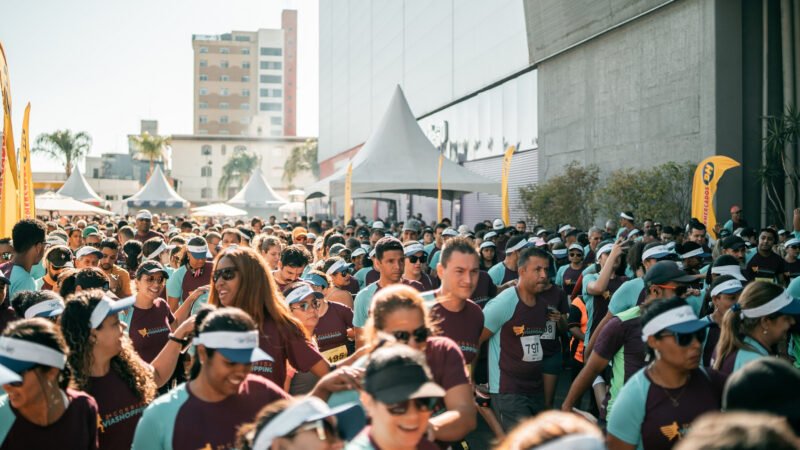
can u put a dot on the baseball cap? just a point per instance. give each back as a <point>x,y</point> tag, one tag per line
<point>299,231</point>
<point>308,410</point>
<point>315,280</point>
<point>394,374</point>
<point>678,320</point>
<point>336,249</point>
<point>237,346</point>
<point>498,225</point>
<point>60,256</point>
<point>666,271</point>
<point>299,292</point>
<point>450,232</point>
<point>791,242</point>
<point>411,225</point>
<point>144,214</point>
<point>88,250</point>
<point>89,230</point>
<point>733,243</point>
<point>19,355</point>
<point>151,267</point>
<point>413,249</point>
<point>106,308</point>
<point>378,225</point>
<point>761,385</point>
<point>55,239</point>
<point>358,252</point>
<point>626,215</point>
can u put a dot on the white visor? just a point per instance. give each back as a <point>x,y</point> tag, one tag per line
<point>228,339</point>
<point>489,235</point>
<point>300,293</point>
<point>774,305</point>
<point>576,247</point>
<point>197,249</point>
<point>336,266</point>
<point>696,252</point>
<point>625,216</point>
<point>157,251</point>
<point>20,350</point>
<point>450,232</point>
<point>654,252</point>
<point>554,241</point>
<point>358,252</point>
<point>791,242</point>
<point>413,249</point>
<point>106,307</point>
<point>634,232</point>
<point>605,249</point>
<point>731,270</point>
<point>727,286</point>
<point>487,244</point>
<point>518,246</point>
<point>565,228</point>
<point>560,253</point>
<point>667,319</point>
<point>49,308</point>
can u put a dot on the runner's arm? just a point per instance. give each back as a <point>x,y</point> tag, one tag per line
<point>615,443</point>
<point>596,332</point>
<point>166,360</point>
<point>485,335</point>
<point>594,367</point>
<point>459,419</point>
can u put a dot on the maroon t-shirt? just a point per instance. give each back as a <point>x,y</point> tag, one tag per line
<point>570,278</point>
<point>792,268</point>
<point>149,235</point>
<point>463,327</point>
<point>414,284</point>
<point>446,362</point>
<point>194,279</point>
<point>589,259</point>
<point>331,330</point>
<point>626,336</point>
<point>769,267</point>
<point>120,410</point>
<point>600,302</point>
<point>302,354</point>
<point>426,282</point>
<point>485,290</point>
<point>77,426</point>
<point>372,276</point>
<point>353,287</point>
<point>556,298</point>
<point>201,424</point>
<point>149,329</point>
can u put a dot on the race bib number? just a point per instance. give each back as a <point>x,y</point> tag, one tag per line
<point>336,354</point>
<point>549,330</point>
<point>531,348</point>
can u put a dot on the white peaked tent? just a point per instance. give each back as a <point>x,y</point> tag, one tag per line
<point>399,158</point>
<point>257,197</point>
<point>158,196</point>
<point>67,206</point>
<point>218,210</point>
<point>78,188</point>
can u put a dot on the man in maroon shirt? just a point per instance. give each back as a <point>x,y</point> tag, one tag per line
<point>294,259</point>
<point>144,223</point>
<point>766,265</point>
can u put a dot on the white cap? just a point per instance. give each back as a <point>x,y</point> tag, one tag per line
<point>413,249</point>
<point>576,246</point>
<point>487,244</point>
<point>378,225</point>
<point>791,242</point>
<point>604,249</point>
<point>560,252</point>
<point>625,216</point>
<point>358,252</point>
<point>144,214</point>
<point>87,250</point>
<point>489,235</point>
<point>498,224</point>
<point>450,232</point>
<point>565,228</point>
<point>463,229</point>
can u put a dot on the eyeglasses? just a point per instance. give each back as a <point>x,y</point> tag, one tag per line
<point>348,234</point>
<point>300,238</point>
<point>226,274</point>
<point>419,335</point>
<point>575,254</point>
<point>6,256</point>
<point>153,280</point>
<point>422,404</point>
<point>344,272</point>
<point>685,339</point>
<point>794,247</point>
<point>313,304</point>
<point>19,383</point>
<point>323,428</point>
<point>413,259</point>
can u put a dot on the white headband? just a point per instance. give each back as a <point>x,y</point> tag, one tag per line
<point>634,232</point>
<point>792,241</point>
<point>555,240</point>
<point>487,244</point>
<point>561,252</point>
<point>298,294</point>
<point>413,248</point>
<point>157,251</point>
<point>238,340</point>
<point>768,308</point>
<point>667,319</point>
<point>105,307</point>
<point>48,306</point>
<point>335,266</point>
<point>519,245</point>
<point>695,252</point>
<point>565,228</point>
<point>725,286</point>
<point>489,235</point>
<point>649,253</point>
<point>197,248</point>
<point>605,249</point>
<point>31,352</point>
<point>625,216</point>
<point>731,270</point>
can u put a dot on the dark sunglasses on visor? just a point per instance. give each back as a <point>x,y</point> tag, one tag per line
<point>413,259</point>
<point>685,339</point>
<point>419,335</point>
<point>422,404</point>
<point>226,274</point>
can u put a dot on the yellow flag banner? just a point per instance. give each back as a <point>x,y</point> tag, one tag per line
<point>8,194</point>
<point>348,207</point>
<point>8,134</point>
<point>504,212</point>
<point>704,187</point>
<point>27,208</point>
<point>439,210</point>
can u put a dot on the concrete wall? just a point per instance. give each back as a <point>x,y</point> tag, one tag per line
<point>640,94</point>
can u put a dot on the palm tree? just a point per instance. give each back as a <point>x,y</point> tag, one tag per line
<point>302,158</point>
<point>239,167</point>
<point>150,147</point>
<point>65,146</point>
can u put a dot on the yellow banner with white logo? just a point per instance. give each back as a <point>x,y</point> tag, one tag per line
<point>27,208</point>
<point>504,211</point>
<point>704,187</point>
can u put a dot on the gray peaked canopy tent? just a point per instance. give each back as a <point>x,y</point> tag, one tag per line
<point>257,197</point>
<point>158,196</point>
<point>399,158</point>
<point>78,188</point>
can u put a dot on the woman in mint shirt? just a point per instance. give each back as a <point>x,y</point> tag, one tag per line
<point>752,327</point>
<point>656,406</point>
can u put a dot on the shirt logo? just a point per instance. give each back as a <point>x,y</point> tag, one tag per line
<point>754,269</point>
<point>607,295</point>
<point>672,431</point>
<point>519,331</point>
<point>144,332</point>
<point>567,281</point>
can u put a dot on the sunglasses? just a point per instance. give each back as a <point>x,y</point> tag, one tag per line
<point>226,274</point>
<point>313,304</point>
<point>348,234</point>
<point>415,259</point>
<point>575,255</point>
<point>153,280</point>
<point>323,428</point>
<point>422,404</point>
<point>344,272</point>
<point>6,256</point>
<point>420,335</point>
<point>685,339</point>
<point>679,290</point>
<point>794,247</point>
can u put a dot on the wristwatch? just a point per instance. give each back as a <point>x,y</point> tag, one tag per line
<point>183,342</point>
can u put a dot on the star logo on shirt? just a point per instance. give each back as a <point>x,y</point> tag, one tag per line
<point>754,269</point>
<point>100,426</point>
<point>519,331</point>
<point>143,332</point>
<point>671,431</point>
<point>607,295</point>
<point>567,281</point>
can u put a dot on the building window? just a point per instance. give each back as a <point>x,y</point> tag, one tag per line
<point>245,78</point>
<point>223,92</point>
<point>203,132</point>
<point>271,78</point>
<point>224,105</point>
<point>271,65</point>
<point>246,65</point>
<point>205,150</point>
<point>205,171</point>
<point>224,50</point>
<point>223,132</point>
<point>241,38</point>
<point>245,51</point>
<point>276,120</point>
<point>203,119</point>
<point>224,78</point>
<point>203,77</point>
<point>223,150</point>
<point>275,133</point>
<point>224,64</point>
<point>271,93</point>
<point>205,193</point>
<point>223,119</point>
<point>203,49</point>
<point>270,107</point>
<point>245,92</point>
<point>203,91</point>
<point>203,105</point>
<point>240,148</point>
<point>271,51</point>
<point>244,106</point>
<point>203,63</point>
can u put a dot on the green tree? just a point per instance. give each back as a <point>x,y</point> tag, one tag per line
<point>567,198</point>
<point>238,169</point>
<point>64,146</point>
<point>150,147</point>
<point>302,158</point>
<point>778,173</point>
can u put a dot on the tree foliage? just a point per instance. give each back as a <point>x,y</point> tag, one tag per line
<point>64,146</point>
<point>238,169</point>
<point>150,147</point>
<point>302,158</point>
<point>567,198</point>
<point>783,133</point>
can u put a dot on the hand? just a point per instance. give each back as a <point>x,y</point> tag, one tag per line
<point>555,316</point>
<point>585,415</point>
<point>185,329</point>
<point>342,379</point>
<point>616,250</point>
<point>197,293</point>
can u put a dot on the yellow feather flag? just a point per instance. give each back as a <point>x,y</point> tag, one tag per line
<point>506,216</point>
<point>439,210</point>
<point>9,212</point>
<point>704,187</point>
<point>8,134</point>
<point>348,207</point>
<point>27,207</point>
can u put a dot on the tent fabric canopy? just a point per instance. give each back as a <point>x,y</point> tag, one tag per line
<point>218,210</point>
<point>53,202</point>
<point>78,188</point>
<point>257,193</point>
<point>399,158</point>
<point>157,193</point>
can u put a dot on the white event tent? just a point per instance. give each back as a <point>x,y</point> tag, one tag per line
<point>257,197</point>
<point>78,188</point>
<point>158,196</point>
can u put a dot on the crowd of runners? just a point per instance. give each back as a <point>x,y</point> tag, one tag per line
<point>158,332</point>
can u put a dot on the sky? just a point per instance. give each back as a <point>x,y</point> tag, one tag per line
<point>101,66</point>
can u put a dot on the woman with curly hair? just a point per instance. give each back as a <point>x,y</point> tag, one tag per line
<point>105,365</point>
<point>39,411</point>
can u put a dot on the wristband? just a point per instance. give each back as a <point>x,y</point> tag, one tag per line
<point>183,342</point>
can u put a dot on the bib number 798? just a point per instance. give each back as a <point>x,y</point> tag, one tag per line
<point>531,348</point>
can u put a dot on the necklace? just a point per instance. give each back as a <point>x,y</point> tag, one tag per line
<point>675,399</point>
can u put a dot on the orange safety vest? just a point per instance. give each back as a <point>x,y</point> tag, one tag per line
<point>578,303</point>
